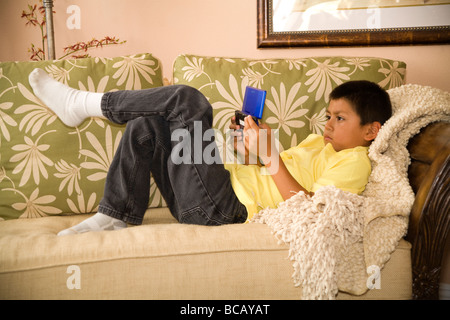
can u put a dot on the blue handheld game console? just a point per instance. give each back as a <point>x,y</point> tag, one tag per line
<point>254,100</point>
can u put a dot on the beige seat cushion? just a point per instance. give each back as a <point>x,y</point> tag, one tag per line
<point>160,260</point>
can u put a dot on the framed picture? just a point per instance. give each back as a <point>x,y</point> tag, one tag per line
<point>307,23</point>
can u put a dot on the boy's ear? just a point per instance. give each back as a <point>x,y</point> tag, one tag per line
<point>372,130</point>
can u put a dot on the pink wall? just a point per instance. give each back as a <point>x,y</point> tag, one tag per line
<point>167,28</point>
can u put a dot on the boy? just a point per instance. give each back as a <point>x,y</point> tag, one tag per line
<point>355,114</point>
<point>201,193</point>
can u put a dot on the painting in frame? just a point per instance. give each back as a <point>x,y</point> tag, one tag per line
<point>308,23</point>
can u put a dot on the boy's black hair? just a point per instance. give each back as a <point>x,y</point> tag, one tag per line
<point>369,100</point>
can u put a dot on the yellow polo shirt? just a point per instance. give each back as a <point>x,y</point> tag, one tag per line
<point>312,163</point>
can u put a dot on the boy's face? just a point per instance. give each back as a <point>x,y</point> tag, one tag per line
<point>343,128</point>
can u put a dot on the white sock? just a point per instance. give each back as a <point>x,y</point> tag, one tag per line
<point>97,222</point>
<point>70,105</point>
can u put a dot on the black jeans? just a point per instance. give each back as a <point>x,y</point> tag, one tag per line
<point>195,192</point>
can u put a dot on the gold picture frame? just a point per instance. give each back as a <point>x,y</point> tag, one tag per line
<point>332,36</point>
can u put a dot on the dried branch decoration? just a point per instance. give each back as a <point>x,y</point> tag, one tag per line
<point>35,16</point>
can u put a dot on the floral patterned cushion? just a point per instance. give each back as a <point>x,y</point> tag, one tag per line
<point>47,168</point>
<point>297,89</point>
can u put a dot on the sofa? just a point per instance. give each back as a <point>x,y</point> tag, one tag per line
<point>52,177</point>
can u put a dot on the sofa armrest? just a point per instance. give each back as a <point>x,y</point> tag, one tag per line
<point>429,224</point>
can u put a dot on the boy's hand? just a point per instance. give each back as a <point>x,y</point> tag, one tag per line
<point>233,126</point>
<point>258,141</point>
<point>253,135</point>
<point>238,143</point>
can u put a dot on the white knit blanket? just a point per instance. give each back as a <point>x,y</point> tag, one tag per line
<point>338,239</point>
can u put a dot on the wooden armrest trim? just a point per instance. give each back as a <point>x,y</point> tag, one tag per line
<point>429,228</point>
